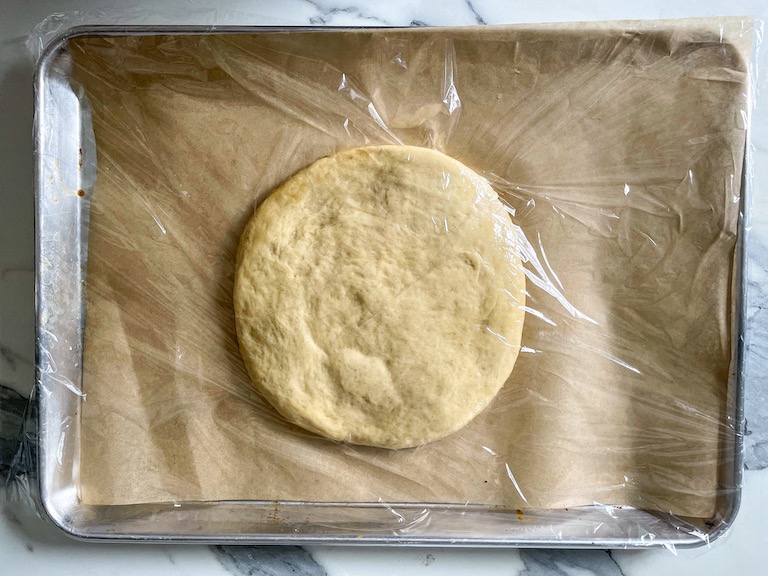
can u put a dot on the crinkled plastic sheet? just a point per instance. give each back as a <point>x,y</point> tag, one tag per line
<point>618,149</point>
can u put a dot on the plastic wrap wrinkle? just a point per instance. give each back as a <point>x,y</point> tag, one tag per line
<point>617,149</point>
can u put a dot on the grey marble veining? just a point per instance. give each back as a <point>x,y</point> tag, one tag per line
<point>464,12</point>
<point>326,14</point>
<point>756,383</point>
<point>16,222</point>
<point>478,19</point>
<point>12,405</point>
<point>268,561</point>
<point>569,563</point>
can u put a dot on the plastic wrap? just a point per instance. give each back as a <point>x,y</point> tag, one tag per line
<point>618,150</point>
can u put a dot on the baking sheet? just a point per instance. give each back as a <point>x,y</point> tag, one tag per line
<point>620,150</point>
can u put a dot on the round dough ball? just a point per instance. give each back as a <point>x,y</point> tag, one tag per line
<point>379,296</point>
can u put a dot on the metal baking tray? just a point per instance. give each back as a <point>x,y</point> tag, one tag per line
<point>65,162</point>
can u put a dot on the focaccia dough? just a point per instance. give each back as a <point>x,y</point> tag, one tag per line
<point>379,296</point>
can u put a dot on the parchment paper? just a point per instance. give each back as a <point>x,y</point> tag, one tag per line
<point>618,145</point>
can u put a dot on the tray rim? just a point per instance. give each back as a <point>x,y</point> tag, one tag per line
<point>54,515</point>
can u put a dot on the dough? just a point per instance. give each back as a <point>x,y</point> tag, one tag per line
<point>379,296</point>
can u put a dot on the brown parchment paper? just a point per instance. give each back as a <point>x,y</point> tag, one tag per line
<point>619,146</point>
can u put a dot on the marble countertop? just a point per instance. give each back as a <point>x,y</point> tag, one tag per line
<point>29,545</point>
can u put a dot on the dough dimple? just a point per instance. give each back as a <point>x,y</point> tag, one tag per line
<point>379,296</point>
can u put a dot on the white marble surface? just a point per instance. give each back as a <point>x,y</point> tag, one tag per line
<point>27,545</point>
